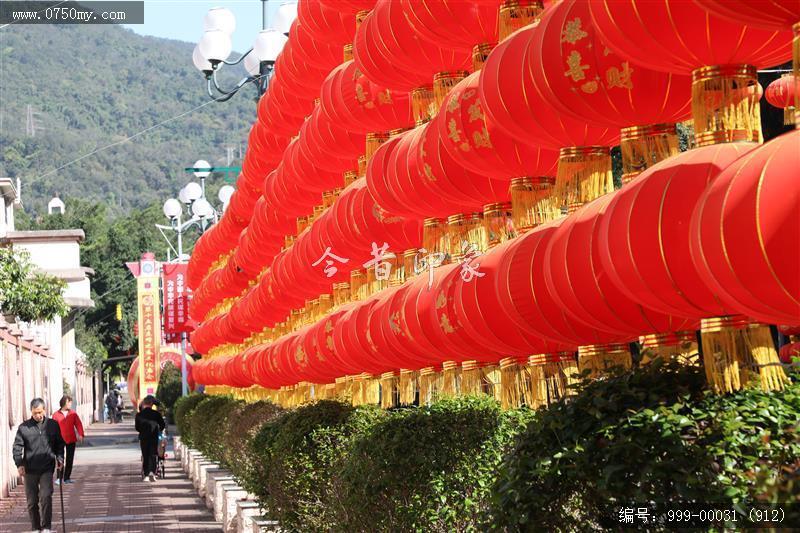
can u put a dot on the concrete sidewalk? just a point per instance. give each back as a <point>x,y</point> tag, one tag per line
<point>109,496</point>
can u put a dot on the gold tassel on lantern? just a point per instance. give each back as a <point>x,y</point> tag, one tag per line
<point>435,237</point>
<point>471,378</point>
<point>430,384</point>
<point>736,351</point>
<point>584,173</point>
<point>532,202</point>
<point>480,52</point>
<point>725,104</point>
<point>515,384</point>
<point>600,358</point>
<point>491,381</point>
<point>389,390</point>
<point>516,14</point>
<point>421,104</point>
<point>498,224</point>
<point>680,346</point>
<point>463,232</point>
<point>450,375</point>
<point>408,387</point>
<point>443,82</point>
<point>644,146</point>
<point>373,142</point>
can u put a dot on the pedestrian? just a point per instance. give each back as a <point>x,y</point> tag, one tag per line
<point>71,432</point>
<point>149,424</point>
<point>111,404</point>
<point>38,450</point>
<point>120,404</point>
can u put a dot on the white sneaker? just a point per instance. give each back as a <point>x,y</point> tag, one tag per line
<point>152,478</point>
<point>47,531</point>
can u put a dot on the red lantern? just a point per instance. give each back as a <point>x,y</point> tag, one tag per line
<point>677,36</point>
<point>790,353</point>
<point>453,23</point>
<point>644,235</point>
<point>514,103</point>
<point>325,23</point>
<point>745,230</point>
<point>476,143</point>
<point>769,14</point>
<point>783,92</point>
<point>575,277</point>
<point>582,78</point>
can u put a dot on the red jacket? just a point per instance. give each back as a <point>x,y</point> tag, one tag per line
<point>70,424</point>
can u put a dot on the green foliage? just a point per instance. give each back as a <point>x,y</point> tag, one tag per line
<point>244,420</point>
<point>208,422</point>
<point>28,295</point>
<point>183,411</point>
<point>90,86</point>
<point>169,389</point>
<point>429,468</point>
<point>296,457</point>
<point>654,435</point>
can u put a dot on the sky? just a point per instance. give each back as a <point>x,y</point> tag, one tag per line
<point>183,19</point>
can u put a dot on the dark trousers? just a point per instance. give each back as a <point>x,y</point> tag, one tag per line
<point>149,452</point>
<point>70,453</point>
<point>39,493</point>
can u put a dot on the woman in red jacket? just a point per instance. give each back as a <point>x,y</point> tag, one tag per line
<point>71,432</point>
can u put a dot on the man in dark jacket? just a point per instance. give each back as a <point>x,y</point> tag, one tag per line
<point>38,449</point>
<point>149,424</point>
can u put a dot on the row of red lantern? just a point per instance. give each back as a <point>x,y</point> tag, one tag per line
<point>612,102</point>
<point>347,230</point>
<point>710,234</point>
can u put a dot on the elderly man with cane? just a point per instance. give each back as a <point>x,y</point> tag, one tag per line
<point>38,449</point>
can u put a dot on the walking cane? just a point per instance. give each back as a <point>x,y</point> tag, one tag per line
<point>61,492</point>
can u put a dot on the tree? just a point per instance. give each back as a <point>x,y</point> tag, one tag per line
<point>28,295</point>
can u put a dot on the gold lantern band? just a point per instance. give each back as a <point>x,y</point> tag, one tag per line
<point>422,104</point>
<point>584,174</point>
<point>725,104</point>
<point>516,14</point>
<point>532,202</point>
<point>498,224</point>
<point>644,146</point>
<point>443,82</point>
<point>479,54</point>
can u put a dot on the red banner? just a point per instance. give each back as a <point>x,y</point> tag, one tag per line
<point>149,337</point>
<point>177,296</point>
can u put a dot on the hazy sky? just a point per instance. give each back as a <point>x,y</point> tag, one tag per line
<point>183,19</point>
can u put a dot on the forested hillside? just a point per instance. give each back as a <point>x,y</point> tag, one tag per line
<point>66,91</point>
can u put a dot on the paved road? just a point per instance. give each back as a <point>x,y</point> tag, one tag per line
<point>109,496</point>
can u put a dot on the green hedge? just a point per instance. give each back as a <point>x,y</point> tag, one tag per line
<point>428,468</point>
<point>244,420</point>
<point>183,409</point>
<point>296,457</point>
<point>654,434</point>
<point>208,423</point>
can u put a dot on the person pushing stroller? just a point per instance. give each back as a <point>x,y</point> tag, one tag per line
<point>149,425</point>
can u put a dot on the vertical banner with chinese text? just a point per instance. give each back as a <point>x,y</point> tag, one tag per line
<point>177,296</point>
<point>149,329</point>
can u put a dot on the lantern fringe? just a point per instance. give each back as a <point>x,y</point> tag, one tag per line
<point>480,52</point>
<point>450,379</point>
<point>443,82</point>
<point>551,377</point>
<point>788,115</point>
<point>389,390</point>
<point>471,378</point>
<point>436,238</point>
<point>532,202</point>
<point>584,173</point>
<point>498,224</point>
<point>422,104</point>
<point>734,350</point>
<point>600,358</point>
<point>492,381</point>
<point>725,104</point>
<point>796,71</point>
<point>515,384</point>
<point>343,390</point>
<point>408,387</point>
<point>516,14</point>
<point>679,346</point>
<point>464,228</point>
<point>369,390</point>
<point>644,146</point>
<point>430,384</point>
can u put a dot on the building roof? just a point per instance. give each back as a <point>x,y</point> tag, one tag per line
<point>74,235</point>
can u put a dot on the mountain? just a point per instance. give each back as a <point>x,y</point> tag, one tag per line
<point>87,87</point>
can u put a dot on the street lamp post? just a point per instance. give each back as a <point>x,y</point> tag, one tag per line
<point>213,49</point>
<point>201,212</point>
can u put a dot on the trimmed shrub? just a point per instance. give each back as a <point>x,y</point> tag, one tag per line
<point>429,468</point>
<point>208,421</point>
<point>243,421</point>
<point>169,389</point>
<point>295,457</point>
<point>651,435</point>
<point>183,408</point>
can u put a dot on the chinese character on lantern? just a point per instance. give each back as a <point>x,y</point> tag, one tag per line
<point>330,269</point>
<point>469,252</point>
<point>382,268</point>
<point>428,262</point>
